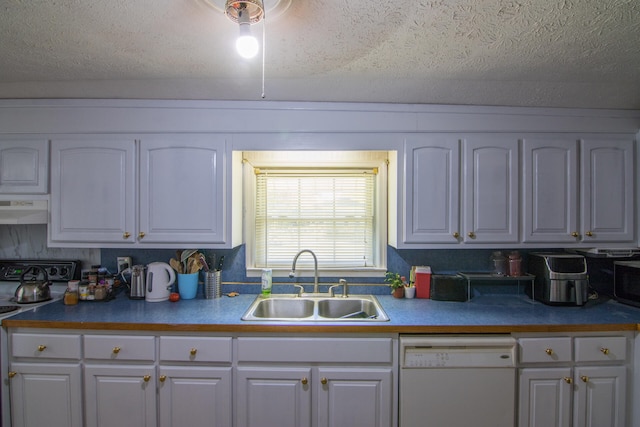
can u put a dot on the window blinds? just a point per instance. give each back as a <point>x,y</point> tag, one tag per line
<point>330,211</point>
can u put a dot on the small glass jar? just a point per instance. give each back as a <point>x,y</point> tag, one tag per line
<point>70,297</point>
<point>100,292</point>
<point>515,264</point>
<point>498,264</point>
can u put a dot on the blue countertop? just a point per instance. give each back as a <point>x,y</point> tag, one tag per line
<point>486,313</point>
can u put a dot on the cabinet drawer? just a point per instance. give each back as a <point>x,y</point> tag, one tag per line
<point>119,347</point>
<point>596,349</point>
<point>364,350</point>
<point>545,350</point>
<point>50,346</point>
<point>195,349</point>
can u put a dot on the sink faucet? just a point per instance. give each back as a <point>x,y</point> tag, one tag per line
<point>345,288</point>
<point>292,274</point>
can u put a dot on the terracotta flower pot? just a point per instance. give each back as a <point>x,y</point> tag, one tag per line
<point>398,292</point>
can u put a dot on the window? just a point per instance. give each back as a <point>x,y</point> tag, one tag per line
<point>334,206</point>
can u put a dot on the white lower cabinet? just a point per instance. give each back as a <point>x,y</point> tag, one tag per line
<point>45,380</point>
<point>323,382</point>
<point>586,390</point>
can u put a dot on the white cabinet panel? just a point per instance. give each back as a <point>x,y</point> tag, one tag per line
<point>92,190</point>
<point>46,395</point>
<point>24,165</point>
<point>600,396</point>
<point>545,397</point>
<point>491,177</point>
<point>550,173</point>
<point>195,396</point>
<point>432,183</point>
<point>608,190</point>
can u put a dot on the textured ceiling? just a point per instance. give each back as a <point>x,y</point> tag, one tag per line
<point>550,53</point>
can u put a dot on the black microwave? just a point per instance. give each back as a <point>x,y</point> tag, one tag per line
<point>626,285</point>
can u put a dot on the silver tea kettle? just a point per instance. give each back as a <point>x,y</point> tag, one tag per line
<point>137,287</point>
<point>33,290</point>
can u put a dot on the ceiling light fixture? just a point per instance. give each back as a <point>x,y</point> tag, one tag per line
<point>245,13</point>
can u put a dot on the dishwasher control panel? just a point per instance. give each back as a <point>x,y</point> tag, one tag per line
<point>457,352</point>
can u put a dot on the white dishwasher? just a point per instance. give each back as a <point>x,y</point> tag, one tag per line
<point>457,381</point>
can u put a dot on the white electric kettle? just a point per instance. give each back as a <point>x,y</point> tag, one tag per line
<point>160,277</point>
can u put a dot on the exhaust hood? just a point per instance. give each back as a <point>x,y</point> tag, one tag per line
<point>24,211</point>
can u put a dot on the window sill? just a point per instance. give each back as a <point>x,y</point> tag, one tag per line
<point>322,272</point>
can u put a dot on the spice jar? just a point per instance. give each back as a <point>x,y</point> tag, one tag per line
<point>100,292</point>
<point>515,264</point>
<point>70,297</point>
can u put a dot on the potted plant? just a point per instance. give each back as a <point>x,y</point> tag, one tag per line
<point>396,283</point>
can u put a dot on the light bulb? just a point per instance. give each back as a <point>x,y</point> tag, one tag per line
<point>247,46</point>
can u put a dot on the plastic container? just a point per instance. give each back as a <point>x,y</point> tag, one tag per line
<point>188,285</point>
<point>266,282</point>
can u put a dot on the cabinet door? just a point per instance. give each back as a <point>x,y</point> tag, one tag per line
<point>92,190</point>
<point>607,190</point>
<point>194,396</point>
<point>545,397</point>
<point>117,396</point>
<point>270,396</point>
<point>23,166</point>
<point>490,189</point>
<point>354,397</point>
<point>600,396</point>
<point>182,196</point>
<point>46,395</point>
<point>550,190</point>
<point>431,190</point>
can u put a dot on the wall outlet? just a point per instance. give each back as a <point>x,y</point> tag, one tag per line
<point>124,262</point>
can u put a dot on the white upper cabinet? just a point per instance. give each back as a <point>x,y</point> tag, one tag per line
<point>578,191</point>
<point>24,165</point>
<point>449,199</point>
<point>92,190</point>
<point>491,177</point>
<point>550,190</point>
<point>182,197</point>
<point>432,182</point>
<point>607,189</point>
<point>162,191</point>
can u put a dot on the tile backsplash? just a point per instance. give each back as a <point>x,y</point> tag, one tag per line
<point>30,241</point>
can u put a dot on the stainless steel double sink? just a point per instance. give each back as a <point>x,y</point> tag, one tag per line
<point>316,308</point>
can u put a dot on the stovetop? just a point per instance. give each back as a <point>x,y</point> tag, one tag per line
<point>58,272</point>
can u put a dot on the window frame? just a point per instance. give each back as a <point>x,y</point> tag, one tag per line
<point>345,159</point>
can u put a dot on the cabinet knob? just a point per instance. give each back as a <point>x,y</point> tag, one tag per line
<point>126,235</point>
<point>456,234</point>
<point>304,381</point>
<point>584,378</point>
<point>12,374</point>
<point>116,350</point>
<point>471,234</point>
<point>589,233</point>
<point>549,351</point>
<point>141,234</point>
<point>193,351</point>
<point>323,381</point>
<point>162,378</point>
<point>42,347</point>
<point>604,351</point>
<point>567,380</point>
<point>146,378</point>
<point>575,234</point>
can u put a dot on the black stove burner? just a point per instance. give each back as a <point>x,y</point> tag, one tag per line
<point>8,308</point>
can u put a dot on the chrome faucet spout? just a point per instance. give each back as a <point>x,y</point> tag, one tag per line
<point>315,268</point>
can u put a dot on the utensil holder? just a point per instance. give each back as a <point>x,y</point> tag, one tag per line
<point>212,285</point>
<point>188,285</point>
